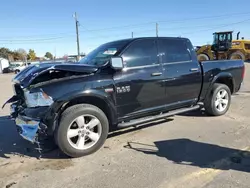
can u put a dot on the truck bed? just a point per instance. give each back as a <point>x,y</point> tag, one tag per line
<point>222,68</point>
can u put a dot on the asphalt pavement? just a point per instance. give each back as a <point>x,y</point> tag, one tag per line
<point>191,150</point>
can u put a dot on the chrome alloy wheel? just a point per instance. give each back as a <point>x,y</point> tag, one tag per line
<point>84,132</point>
<point>221,100</point>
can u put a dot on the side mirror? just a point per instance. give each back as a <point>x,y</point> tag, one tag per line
<point>117,63</point>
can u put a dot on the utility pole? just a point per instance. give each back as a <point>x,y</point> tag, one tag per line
<point>25,59</point>
<point>132,34</point>
<point>54,54</point>
<point>77,37</point>
<point>156,29</point>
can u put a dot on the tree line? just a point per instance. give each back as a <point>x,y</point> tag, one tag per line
<point>21,55</point>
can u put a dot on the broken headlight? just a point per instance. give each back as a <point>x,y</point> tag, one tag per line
<point>37,99</point>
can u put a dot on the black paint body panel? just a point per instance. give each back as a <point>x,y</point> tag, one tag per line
<point>175,86</point>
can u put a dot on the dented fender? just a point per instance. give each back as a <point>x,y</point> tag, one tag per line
<point>53,113</point>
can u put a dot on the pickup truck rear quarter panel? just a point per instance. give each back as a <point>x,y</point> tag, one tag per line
<point>215,70</point>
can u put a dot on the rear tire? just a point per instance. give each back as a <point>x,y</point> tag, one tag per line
<point>218,100</point>
<point>80,125</point>
<point>237,55</point>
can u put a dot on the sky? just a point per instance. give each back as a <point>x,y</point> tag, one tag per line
<point>48,25</point>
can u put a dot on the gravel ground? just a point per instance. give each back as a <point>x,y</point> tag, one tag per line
<point>189,150</point>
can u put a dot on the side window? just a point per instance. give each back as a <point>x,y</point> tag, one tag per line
<point>174,50</point>
<point>247,46</point>
<point>141,53</point>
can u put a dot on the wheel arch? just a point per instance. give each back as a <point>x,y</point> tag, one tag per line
<point>97,98</point>
<point>224,78</point>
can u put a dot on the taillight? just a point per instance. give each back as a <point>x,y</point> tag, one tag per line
<point>243,72</point>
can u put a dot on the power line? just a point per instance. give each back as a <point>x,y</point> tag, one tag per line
<point>22,41</point>
<point>91,31</point>
<point>33,40</point>
<point>63,35</point>
<point>206,17</point>
<point>45,35</point>
<point>193,26</point>
<point>145,31</point>
<point>169,21</point>
<point>173,34</point>
<point>225,25</point>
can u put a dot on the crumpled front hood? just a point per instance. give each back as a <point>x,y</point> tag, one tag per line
<point>26,76</point>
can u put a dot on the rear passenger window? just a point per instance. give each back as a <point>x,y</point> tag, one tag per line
<point>174,50</point>
<point>141,53</point>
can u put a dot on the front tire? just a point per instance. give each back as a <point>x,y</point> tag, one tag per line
<point>82,130</point>
<point>218,101</point>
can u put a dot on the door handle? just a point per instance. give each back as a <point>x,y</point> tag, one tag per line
<point>194,70</point>
<point>156,74</point>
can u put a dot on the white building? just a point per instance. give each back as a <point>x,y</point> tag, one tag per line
<point>3,64</point>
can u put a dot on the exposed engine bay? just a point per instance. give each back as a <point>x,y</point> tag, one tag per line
<point>51,75</point>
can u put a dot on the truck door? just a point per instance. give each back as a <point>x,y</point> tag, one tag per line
<point>139,88</point>
<point>182,73</point>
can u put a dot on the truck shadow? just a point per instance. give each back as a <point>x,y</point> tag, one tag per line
<point>11,143</point>
<point>195,113</point>
<point>193,153</point>
<point>132,129</point>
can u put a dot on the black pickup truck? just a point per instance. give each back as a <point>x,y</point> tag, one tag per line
<point>120,84</point>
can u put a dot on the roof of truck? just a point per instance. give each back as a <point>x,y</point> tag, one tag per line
<point>133,39</point>
<point>223,32</point>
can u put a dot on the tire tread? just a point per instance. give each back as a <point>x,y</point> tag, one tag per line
<point>66,115</point>
<point>208,103</point>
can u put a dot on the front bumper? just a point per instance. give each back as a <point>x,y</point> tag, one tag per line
<point>28,129</point>
<point>28,121</point>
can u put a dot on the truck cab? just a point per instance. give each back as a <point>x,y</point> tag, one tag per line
<point>153,68</point>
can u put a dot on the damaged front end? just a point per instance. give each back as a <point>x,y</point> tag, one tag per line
<point>31,104</point>
<point>28,110</point>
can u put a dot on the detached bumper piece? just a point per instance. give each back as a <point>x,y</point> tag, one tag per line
<point>28,121</point>
<point>27,129</point>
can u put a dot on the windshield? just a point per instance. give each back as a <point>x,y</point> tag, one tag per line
<point>215,38</point>
<point>103,53</point>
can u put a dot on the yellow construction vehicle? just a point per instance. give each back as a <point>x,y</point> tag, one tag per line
<point>224,47</point>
